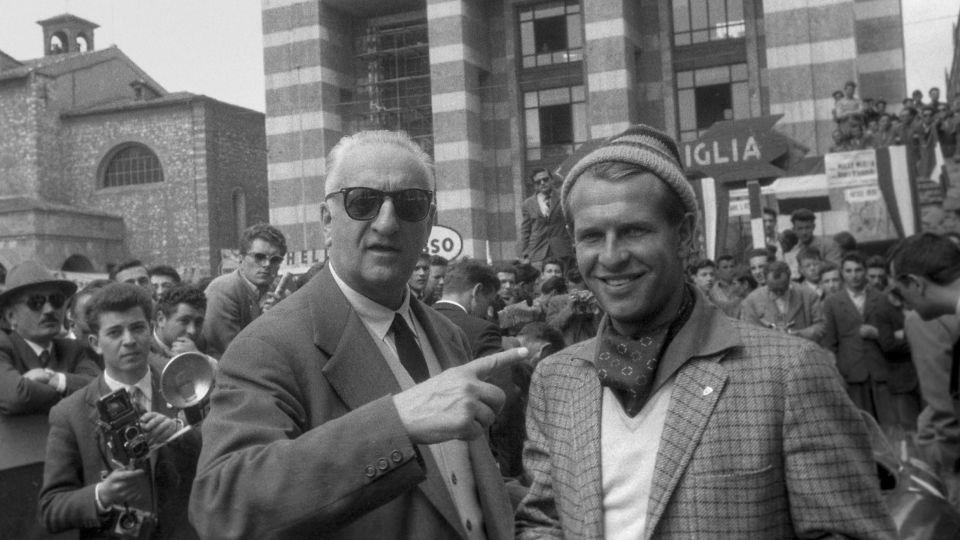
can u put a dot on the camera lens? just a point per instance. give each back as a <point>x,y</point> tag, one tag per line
<point>127,520</point>
<point>131,432</point>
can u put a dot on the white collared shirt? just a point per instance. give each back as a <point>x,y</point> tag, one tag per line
<point>542,202</point>
<point>453,457</point>
<point>452,303</point>
<point>859,299</point>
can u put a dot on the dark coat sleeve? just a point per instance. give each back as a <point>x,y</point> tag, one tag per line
<point>65,502</point>
<point>19,395</point>
<point>259,448</point>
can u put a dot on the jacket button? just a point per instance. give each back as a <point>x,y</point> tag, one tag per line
<point>396,456</point>
<point>370,471</point>
<point>469,525</point>
<point>382,464</point>
<point>453,478</point>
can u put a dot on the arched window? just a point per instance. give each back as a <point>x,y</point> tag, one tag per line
<point>58,43</point>
<point>83,44</point>
<point>131,164</point>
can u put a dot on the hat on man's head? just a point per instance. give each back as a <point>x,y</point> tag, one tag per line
<point>29,275</point>
<point>645,147</point>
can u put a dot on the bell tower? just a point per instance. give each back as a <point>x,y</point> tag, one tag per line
<point>67,33</point>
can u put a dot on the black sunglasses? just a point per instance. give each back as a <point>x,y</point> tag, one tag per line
<point>261,258</point>
<point>37,301</point>
<point>363,204</point>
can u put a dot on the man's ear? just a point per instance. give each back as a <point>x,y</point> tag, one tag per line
<point>326,223</point>
<point>919,282</point>
<point>686,230</point>
<point>476,291</point>
<point>95,343</point>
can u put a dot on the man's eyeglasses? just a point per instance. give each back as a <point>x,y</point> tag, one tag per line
<point>538,181</point>
<point>363,204</point>
<point>37,301</point>
<point>261,258</point>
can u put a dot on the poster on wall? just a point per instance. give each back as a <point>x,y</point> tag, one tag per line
<point>853,184</point>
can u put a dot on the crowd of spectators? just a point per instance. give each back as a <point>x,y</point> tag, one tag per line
<point>825,290</point>
<point>56,340</point>
<point>920,124</point>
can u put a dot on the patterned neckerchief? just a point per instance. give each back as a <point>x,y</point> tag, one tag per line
<point>627,365</point>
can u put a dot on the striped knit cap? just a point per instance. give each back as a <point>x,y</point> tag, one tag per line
<point>646,147</point>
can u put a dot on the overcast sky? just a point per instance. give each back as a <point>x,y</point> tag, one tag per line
<point>214,47</point>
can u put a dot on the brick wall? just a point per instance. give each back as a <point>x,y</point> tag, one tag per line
<point>18,137</point>
<point>236,163</point>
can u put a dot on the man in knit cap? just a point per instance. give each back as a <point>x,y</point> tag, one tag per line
<point>676,421</point>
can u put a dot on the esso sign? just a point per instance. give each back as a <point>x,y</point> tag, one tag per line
<point>445,242</point>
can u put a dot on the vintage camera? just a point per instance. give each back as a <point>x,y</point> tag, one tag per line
<point>134,523</point>
<point>582,302</point>
<point>120,423</point>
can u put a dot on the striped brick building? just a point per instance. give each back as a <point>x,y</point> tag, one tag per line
<point>493,89</point>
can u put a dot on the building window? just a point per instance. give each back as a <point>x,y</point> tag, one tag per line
<point>708,95</point>
<point>393,82</point>
<point>700,21</point>
<point>130,165</point>
<point>555,121</point>
<point>550,33</point>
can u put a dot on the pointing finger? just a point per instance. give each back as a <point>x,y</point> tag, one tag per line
<point>481,368</point>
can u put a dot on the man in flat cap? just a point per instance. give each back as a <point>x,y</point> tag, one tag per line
<point>37,368</point>
<point>676,421</point>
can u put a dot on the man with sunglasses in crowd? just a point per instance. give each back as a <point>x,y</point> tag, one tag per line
<point>37,368</point>
<point>542,234</point>
<point>237,298</point>
<point>351,410</point>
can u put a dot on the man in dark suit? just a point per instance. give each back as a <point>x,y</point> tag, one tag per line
<point>84,485</point>
<point>469,289</point>
<point>542,233</point>
<point>345,412</point>
<point>851,330</point>
<point>37,368</point>
<point>237,298</point>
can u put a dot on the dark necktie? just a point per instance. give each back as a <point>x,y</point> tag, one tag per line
<point>44,358</point>
<point>411,357</point>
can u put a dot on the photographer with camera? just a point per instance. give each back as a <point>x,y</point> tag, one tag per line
<point>113,468</point>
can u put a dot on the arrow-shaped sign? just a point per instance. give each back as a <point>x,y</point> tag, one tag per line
<point>736,150</point>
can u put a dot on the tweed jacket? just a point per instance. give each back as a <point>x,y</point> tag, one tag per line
<point>231,305</point>
<point>303,439</point>
<point>77,453</point>
<point>803,311</point>
<point>19,395</point>
<point>542,237</point>
<point>760,441</point>
<point>857,358</point>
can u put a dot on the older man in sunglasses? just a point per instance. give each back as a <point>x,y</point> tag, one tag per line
<point>37,368</point>
<point>351,410</point>
<point>237,298</point>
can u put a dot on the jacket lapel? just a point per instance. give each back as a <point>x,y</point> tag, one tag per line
<point>25,352</point>
<point>694,355</point>
<point>585,412</point>
<point>695,393</point>
<point>360,382</point>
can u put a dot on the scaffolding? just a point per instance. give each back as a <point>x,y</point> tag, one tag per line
<point>392,89</point>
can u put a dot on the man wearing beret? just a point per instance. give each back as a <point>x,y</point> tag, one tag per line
<point>37,368</point>
<point>676,421</point>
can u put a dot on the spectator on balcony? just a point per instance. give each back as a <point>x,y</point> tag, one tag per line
<point>934,97</point>
<point>848,105</point>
